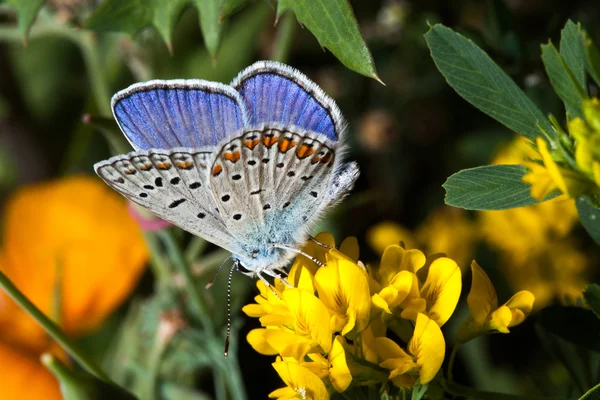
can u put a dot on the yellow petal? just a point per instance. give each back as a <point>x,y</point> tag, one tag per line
<point>344,289</point>
<point>520,305</point>
<point>387,348</point>
<point>500,319</point>
<point>82,227</point>
<point>301,277</point>
<point>285,393</point>
<point>350,248</point>
<point>311,317</point>
<point>403,282</point>
<point>482,298</point>
<point>428,347</point>
<point>396,259</point>
<point>542,184</point>
<point>301,380</point>
<point>279,340</point>
<point>567,181</point>
<point>583,157</point>
<point>442,289</point>
<point>375,329</point>
<point>256,339</point>
<point>339,373</point>
<point>253,310</point>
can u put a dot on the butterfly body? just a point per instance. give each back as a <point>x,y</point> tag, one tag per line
<point>249,167</point>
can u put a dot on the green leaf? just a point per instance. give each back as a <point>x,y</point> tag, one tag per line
<point>477,78</point>
<point>27,11</point>
<point>592,394</point>
<point>563,80</point>
<point>230,7</point>
<point>81,385</point>
<point>573,324</point>
<point>591,294</point>
<point>334,25</point>
<point>572,50</point>
<point>210,11</point>
<point>589,217</point>
<point>491,187</point>
<point>131,16</point>
<point>592,60</point>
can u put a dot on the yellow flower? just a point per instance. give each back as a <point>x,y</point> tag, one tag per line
<point>344,289</point>
<point>301,382</point>
<point>442,289</point>
<point>486,316</point>
<point>549,177</point>
<point>74,234</point>
<point>335,367</point>
<point>424,358</point>
<point>401,288</point>
<point>298,325</point>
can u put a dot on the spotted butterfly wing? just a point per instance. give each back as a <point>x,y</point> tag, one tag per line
<point>173,185</point>
<point>271,181</point>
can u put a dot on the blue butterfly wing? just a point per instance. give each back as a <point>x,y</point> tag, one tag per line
<point>277,93</point>
<point>178,113</point>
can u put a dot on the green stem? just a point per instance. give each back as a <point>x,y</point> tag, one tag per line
<point>156,355</point>
<point>220,387</point>
<point>196,246</point>
<point>179,262</point>
<point>451,362</point>
<point>51,328</point>
<point>285,37</point>
<point>87,42</point>
<point>161,269</point>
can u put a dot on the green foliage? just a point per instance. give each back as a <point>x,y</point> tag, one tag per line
<point>477,78</point>
<point>491,187</point>
<point>592,394</point>
<point>573,52</point>
<point>591,294</point>
<point>592,60</point>
<point>230,7</point>
<point>563,80</point>
<point>131,16</point>
<point>27,12</point>
<point>334,25</point>
<point>589,215</point>
<point>573,324</point>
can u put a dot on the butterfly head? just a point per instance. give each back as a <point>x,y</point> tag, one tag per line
<point>261,258</point>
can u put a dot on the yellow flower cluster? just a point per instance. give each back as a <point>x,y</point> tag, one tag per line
<point>328,327</point>
<point>553,173</point>
<point>536,250</point>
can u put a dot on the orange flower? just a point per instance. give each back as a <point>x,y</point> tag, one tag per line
<point>73,237</point>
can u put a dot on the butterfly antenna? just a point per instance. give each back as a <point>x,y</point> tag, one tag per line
<point>209,284</point>
<point>231,271</point>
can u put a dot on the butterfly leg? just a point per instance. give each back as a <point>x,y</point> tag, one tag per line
<point>298,251</point>
<point>326,246</point>
<point>279,276</point>
<point>266,282</point>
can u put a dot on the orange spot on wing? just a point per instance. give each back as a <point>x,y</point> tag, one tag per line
<point>233,157</point>
<point>163,165</point>
<point>184,165</point>
<point>217,170</point>
<point>285,145</point>
<point>146,167</point>
<point>304,151</point>
<point>326,158</point>
<point>270,141</point>
<point>251,144</point>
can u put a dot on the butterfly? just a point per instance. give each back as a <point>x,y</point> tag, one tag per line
<point>249,166</point>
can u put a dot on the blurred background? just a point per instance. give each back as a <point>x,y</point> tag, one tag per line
<point>407,136</point>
